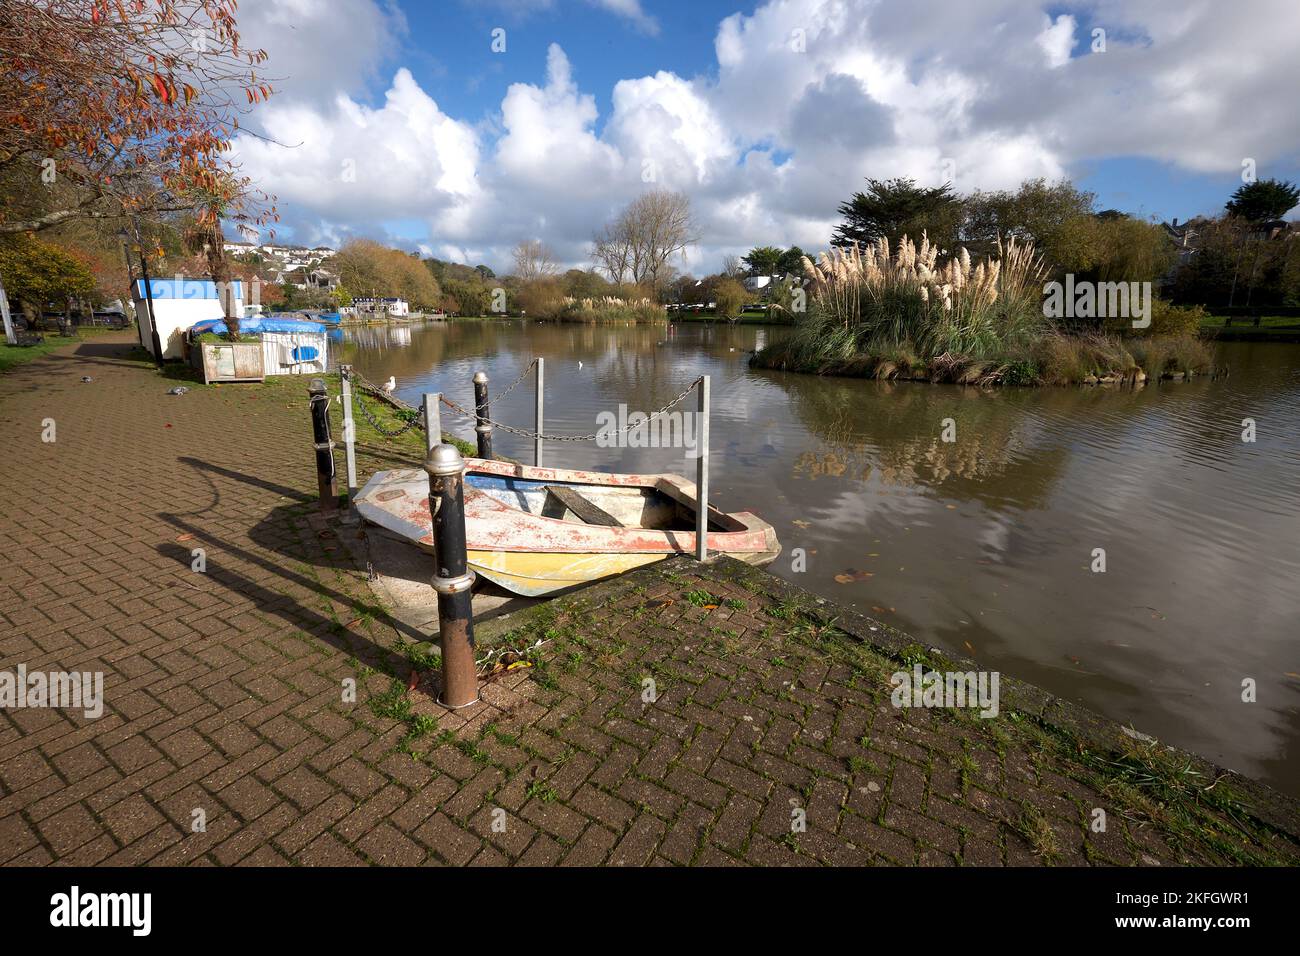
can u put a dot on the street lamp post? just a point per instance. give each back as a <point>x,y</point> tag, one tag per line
<point>148,292</point>
<point>130,284</point>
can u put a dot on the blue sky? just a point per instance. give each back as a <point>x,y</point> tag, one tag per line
<point>461,151</point>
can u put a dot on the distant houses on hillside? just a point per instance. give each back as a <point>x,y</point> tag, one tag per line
<point>305,253</point>
<point>391,305</point>
<point>285,259</point>
<point>311,279</point>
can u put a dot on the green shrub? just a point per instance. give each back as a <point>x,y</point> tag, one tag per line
<point>730,296</point>
<point>542,299</point>
<point>1170,319</point>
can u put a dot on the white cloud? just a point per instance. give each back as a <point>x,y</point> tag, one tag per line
<point>352,164</point>
<point>549,130</point>
<point>1057,40</point>
<point>631,10</point>
<point>320,47</point>
<point>805,99</point>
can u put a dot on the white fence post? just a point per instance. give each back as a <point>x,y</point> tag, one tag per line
<point>432,420</point>
<point>702,475</point>
<point>349,433</point>
<point>537,454</point>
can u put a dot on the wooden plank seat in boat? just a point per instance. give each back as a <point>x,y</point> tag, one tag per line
<point>584,508</point>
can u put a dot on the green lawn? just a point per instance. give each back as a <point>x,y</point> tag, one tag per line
<point>1282,328</point>
<point>746,318</point>
<point>1285,322</point>
<point>13,355</point>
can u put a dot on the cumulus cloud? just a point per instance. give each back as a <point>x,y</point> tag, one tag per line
<point>804,99</point>
<point>320,47</point>
<point>355,164</point>
<point>1057,40</point>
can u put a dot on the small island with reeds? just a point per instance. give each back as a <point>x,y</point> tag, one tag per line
<point>874,312</point>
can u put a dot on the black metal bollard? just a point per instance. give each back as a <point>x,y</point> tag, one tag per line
<point>453,579</point>
<point>320,427</point>
<point>483,428</point>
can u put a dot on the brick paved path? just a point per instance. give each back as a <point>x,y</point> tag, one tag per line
<point>223,690</point>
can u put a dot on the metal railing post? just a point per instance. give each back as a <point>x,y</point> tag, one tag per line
<point>483,428</point>
<point>702,474</point>
<point>453,579</point>
<point>319,401</point>
<point>349,432</point>
<point>541,374</point>
<point>432,420</point>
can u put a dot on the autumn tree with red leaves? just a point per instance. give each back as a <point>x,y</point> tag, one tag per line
<point>123,107</point>
<point>116,111</point>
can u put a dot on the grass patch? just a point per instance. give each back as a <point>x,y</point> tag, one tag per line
<point>1033,826</point>
<point>11,356</point>
<point>702,598</point>
<point>542,792</point>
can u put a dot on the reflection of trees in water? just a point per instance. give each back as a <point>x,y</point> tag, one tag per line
<point>376,352</point>
<point>643,366</point>
<point>1012,443</point>
<point>894,431</point>
<point>431,347</point>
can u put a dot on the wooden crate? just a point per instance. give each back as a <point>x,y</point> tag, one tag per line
<point>232,362</point>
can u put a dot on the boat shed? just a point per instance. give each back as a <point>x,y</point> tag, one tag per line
<point>178,304</point>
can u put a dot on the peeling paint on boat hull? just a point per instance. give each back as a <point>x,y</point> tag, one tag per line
<point>534,555</point>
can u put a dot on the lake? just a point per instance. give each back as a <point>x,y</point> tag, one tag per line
<point>983,546</point>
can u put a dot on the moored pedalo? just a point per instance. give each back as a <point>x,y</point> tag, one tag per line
<point>453,579</point>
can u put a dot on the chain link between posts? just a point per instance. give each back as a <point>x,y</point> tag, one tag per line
<point>418,422</point>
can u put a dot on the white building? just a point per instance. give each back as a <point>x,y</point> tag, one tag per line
<point>177,304</point>
<point>391,305</point>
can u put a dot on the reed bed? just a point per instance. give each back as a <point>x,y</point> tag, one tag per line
<point>611,309</point>
<point>906,314</point>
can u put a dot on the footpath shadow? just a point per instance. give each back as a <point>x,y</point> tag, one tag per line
<point>289,533</point>
<point>241,476</point>
<point>267,600</point>
<point>120,350</point>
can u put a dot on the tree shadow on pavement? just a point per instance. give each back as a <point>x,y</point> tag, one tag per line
<point>345,633</point>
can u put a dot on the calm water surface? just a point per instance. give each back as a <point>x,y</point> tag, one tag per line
<point>982,546</point>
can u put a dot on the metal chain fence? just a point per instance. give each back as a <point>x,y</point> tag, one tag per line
<point>369,386</point>
<point>417,422</point>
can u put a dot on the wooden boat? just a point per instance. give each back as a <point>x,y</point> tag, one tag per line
<point>536,531</point>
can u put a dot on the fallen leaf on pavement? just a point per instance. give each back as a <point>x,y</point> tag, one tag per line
<point>849,575</point>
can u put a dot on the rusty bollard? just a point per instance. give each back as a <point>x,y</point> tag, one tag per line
<point>483,428</point>
<point>453,579</point>
<point>320,427</point>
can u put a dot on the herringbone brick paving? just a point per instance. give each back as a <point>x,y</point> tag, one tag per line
<point>769,738</point>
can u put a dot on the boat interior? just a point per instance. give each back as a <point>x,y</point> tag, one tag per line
<point>619,506</point>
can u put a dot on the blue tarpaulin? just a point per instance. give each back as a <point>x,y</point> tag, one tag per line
<point>257,325</point>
